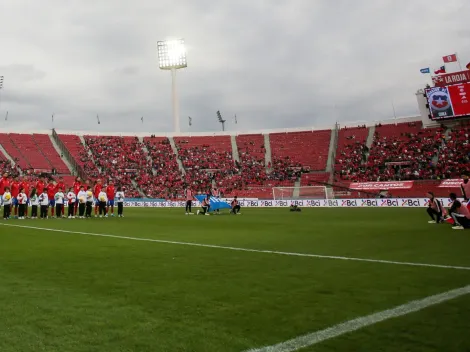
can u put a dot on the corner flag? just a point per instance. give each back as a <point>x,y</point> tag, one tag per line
<point>216,203</point>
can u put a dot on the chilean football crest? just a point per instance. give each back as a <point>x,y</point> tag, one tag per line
<point>439,102</point>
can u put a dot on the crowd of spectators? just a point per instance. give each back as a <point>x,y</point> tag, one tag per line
<point>454,156</point>
<point>118,159</point>
<point>408,152</point>
<point>7,166</point>
<point>417,154</point>
<point>166,179</point>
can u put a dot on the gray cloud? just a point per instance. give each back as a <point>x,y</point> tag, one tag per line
<point>275,64</point>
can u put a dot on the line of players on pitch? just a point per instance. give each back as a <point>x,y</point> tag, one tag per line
<point>458,214</point>
<point>16,196</point>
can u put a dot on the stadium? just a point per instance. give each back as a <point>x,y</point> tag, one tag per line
<point>369,262</point>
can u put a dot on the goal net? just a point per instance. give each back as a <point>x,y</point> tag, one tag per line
<point>306,192</point>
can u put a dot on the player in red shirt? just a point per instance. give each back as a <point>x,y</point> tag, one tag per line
<point>25,185</point>
<point>96,193</point>
<point>4,182</point>
<point>51,191</point>
<point>40,186</point>
<point>15,190</point>
<point>61,185</point>
<point>110,192</point>
<point>76,188</point>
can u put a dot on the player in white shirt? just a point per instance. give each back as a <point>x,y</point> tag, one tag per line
<point>81,202</point>
<point>6,200</point>
<point>34,199</point>
<point>120,201</point>
<point>59,202</point>
<point>22,199</point>
<point>89,202</point>
<point>71,198</point>
<point>102,202</point>
<point>44,204</point>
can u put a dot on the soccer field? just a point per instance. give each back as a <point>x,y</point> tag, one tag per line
<point>252,281</point>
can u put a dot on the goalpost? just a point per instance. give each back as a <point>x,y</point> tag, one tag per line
<point>305,192</point>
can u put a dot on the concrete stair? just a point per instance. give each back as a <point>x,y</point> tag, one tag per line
<point>62,154</point>
<point>138,188</point>
<point>146,151</point>
<point>268,155</point>
<point>4,152</point>
<point>332,150</point>
<point>235,155</point>
<point>370,137</point>
<point>175,151</point>
<point>90,154</point>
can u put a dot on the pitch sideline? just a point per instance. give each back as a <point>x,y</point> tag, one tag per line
<point>362,322</point>
<point>319,256</point>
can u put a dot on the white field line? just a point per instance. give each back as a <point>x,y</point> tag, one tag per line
<point>294,254</point>
<point>361,322</point>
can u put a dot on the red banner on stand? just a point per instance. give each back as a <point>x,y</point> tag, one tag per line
<point>377,186</point>
<point>451,183</point>
<point>451,78</point>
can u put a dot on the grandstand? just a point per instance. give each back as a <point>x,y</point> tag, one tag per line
<point>250,165</point>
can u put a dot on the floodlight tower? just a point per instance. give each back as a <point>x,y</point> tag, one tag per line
<point>172,56</point>
<point>221,120</point>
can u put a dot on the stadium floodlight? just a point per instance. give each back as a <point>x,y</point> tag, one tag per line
<point>221,120</point>
<point>172,56</point>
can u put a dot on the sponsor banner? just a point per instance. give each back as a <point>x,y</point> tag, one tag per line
<point>309,203</point>
<point>361,186</point>
<point>451,183</point>
<point>451,78</point>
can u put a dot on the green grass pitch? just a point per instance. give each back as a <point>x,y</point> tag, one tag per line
<point>68,292</point>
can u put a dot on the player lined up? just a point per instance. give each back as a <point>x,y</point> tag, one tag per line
<point>80,198</point>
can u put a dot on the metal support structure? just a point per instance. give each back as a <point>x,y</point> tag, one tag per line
<point>174,97</point>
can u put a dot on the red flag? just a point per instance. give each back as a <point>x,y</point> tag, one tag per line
<point>450,58</point>
<point>442,69</point>
<point>468,66</point>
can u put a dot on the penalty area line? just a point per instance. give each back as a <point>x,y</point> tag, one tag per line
<point>352,325</point>
<point>240,249</point>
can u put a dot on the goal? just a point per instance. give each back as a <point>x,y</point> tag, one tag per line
<point>306,192</point>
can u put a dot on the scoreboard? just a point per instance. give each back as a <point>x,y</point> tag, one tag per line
<point>449,101</point>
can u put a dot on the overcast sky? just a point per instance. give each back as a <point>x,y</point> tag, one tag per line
<point>274,63</point>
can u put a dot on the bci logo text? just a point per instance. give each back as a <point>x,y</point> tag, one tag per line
<point>313,203</point>
<point>281,203</point>
<point>299,203</point>
<point>389,203</point>
<point>410,203</point>
<point>266,203</point>
<point>369,203</point>
<point>330,203</point>
<point>248,203</point>
<point>349,203</point>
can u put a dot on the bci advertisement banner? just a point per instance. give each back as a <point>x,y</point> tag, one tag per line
<point>308,203</point>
